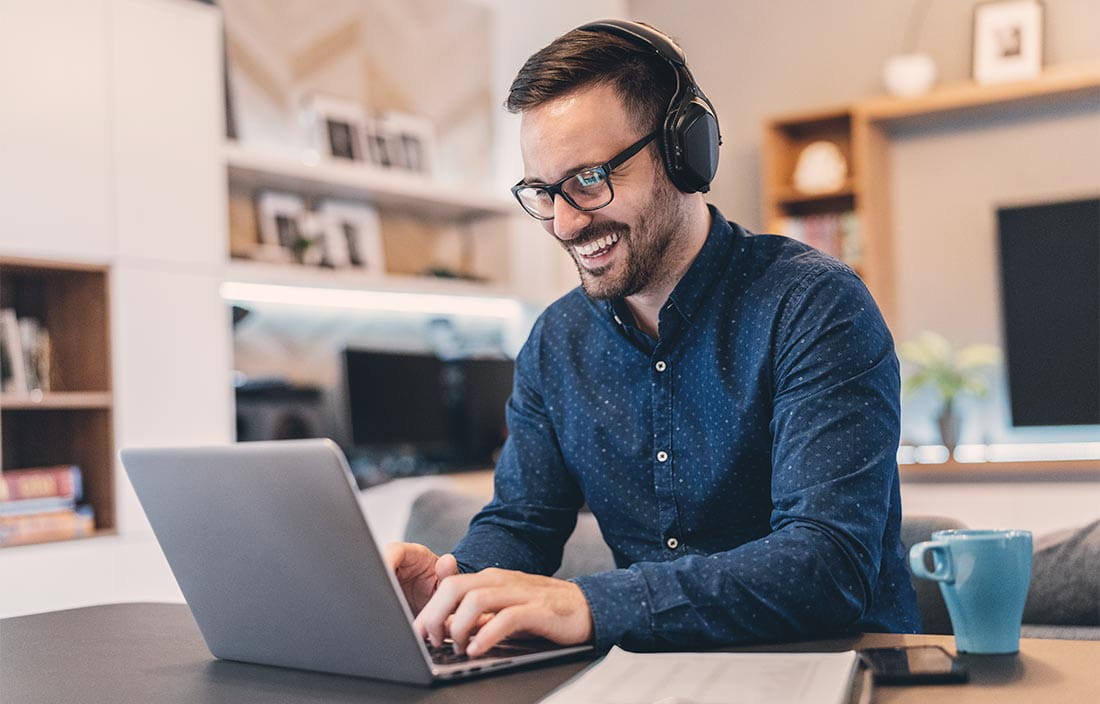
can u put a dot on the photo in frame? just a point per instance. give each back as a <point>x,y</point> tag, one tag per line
<point>352,236</point>
<point>282,224</point>
<point>337,127</point>
<point>409,141</point>
<point>1008,41</point>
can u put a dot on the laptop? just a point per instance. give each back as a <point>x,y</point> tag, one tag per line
<point>276,560</point>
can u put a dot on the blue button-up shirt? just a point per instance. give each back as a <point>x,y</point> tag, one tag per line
<point>742,466</point>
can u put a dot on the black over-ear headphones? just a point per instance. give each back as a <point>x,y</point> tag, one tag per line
<point>690,135</point>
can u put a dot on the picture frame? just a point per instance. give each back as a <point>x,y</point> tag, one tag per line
<point>282,221</point>
<point>1008,41</point>
<point>409,141</point>
<point>352,236</point>
<point>378,148</point>
<point>337,127</point>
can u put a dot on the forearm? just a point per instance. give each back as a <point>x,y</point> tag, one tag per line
<point>798,582</point>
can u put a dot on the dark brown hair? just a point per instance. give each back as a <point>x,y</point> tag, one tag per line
<point>580,58</point>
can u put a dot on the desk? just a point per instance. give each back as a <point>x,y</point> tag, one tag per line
<point>129,653</point>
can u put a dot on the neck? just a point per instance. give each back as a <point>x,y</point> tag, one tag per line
<point>646,304</point>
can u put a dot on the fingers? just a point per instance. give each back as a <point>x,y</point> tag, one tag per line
<point>477,608</point>
<point>507,622</point>
<point>448,595</point>
<point>445,566</point>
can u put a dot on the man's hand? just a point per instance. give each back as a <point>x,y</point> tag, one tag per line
<point>482,609</point>
<point>419,571</point>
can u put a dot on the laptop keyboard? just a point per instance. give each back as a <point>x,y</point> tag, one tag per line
<point>445,654</point>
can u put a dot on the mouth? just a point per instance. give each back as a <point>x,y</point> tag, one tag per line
<point>598,252</point>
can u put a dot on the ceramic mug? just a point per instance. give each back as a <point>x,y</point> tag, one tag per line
<point>983,576</point>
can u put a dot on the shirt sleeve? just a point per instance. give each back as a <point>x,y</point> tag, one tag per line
<point>535,498</point>
<point>835,427</point>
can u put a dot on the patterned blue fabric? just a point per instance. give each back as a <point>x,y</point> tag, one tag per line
<point>742,467</point>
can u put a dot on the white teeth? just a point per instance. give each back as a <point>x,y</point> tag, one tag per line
<point>587,250</point>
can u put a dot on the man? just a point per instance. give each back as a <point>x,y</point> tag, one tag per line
<point>725,403</point>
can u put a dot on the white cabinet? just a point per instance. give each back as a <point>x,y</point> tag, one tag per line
<point>55,156</point>
<point>111,137</point>
<point>167,132</point>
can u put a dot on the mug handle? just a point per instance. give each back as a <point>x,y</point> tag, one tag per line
<point>945,569</point>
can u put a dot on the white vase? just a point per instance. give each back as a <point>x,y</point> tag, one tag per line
<point>909,74</point>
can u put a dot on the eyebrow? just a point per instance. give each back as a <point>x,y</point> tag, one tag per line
<point>571,171</point>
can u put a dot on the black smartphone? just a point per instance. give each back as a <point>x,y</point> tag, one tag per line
<point>915,664</point>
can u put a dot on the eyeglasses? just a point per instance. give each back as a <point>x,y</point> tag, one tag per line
<point>587,189</point>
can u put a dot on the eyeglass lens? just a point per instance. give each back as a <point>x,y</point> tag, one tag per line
<point>586,190</point>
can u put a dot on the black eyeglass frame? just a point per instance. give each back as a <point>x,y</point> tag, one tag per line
<point>555,189</point>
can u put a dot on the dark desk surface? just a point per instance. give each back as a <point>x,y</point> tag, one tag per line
<point>123,653</point>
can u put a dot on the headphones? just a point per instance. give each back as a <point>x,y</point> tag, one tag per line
<point>689,135</point>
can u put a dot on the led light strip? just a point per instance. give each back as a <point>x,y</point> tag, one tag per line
<point>392,301</point>
<point>1002,452</point>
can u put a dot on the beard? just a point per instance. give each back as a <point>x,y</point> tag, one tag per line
<point>645,247</point>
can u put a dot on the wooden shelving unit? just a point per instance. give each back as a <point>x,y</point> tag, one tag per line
<point>862,131</point>
<point>1051,470</point>
<point>72,423</point>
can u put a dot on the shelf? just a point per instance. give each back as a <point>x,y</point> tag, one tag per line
<point>409,192</point>
<point>261,283</point>
<point>1055,82</point>
<point>792,196</point>
<point>56,400</point>
<point>952,471</point>
<point>245,271</point>
<point>97,533</point>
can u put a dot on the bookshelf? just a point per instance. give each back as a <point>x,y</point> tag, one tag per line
<point>862,131</point>
<point>71,423</point>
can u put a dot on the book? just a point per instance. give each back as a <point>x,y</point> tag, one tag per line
<point>11,346</point>
<point>43,527</point>
<point>747,678</point>
<point>41,483</point>
<point>28,338</point>
<point>22,507</point>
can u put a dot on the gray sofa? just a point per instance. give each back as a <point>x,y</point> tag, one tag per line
<point>1063,601</point>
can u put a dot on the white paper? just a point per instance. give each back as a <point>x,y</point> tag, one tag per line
<point>712,678</point>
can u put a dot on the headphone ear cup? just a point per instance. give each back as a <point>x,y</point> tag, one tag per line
<point>693,137</point>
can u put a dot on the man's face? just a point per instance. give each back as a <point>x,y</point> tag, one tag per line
<point>618,249</point>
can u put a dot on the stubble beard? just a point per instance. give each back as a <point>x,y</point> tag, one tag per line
<point>646,248</point>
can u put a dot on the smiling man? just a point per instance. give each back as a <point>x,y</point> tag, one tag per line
<point>725,403</point>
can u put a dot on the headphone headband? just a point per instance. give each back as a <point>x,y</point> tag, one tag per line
<point>690,136</point>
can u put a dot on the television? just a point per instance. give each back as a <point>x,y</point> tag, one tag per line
<point>448,412</point>
<point>1050,295</point>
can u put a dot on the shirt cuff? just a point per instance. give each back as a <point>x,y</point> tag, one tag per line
<point>619,603</point>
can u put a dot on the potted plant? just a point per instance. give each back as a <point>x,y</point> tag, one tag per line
<point>949,373</point>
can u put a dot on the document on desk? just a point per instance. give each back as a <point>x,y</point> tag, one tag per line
<point>712,678</point>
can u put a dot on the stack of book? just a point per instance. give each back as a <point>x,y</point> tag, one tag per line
<point>833,233</point>
<point>24,354</point>
<point>40,505</point>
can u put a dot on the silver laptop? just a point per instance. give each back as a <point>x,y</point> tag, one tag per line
<point>276,560</point>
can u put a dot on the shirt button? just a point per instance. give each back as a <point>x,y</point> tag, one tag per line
<point>618,320</point>
<point>662,456</point>
<point>672,543</point>
<point>660,366</point>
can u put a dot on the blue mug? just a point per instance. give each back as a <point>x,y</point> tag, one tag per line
<point>983,576</point>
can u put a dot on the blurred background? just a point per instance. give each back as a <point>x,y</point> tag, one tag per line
<point>267,219</point>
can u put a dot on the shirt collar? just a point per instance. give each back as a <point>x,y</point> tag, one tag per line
<point>707,267</point>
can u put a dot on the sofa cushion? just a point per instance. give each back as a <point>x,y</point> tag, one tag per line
<point>439,519</point>
<point>1065,578</point>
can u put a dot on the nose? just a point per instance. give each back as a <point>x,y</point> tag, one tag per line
<point>568,221</point>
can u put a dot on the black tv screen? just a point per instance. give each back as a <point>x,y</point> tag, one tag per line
<point>448,411</point>
<point>1050,284</point>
